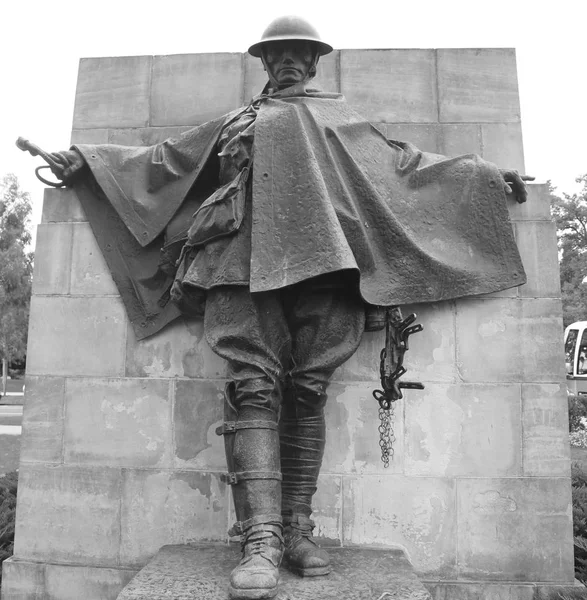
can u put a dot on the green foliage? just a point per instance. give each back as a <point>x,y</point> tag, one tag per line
<point>579,482</point>
<point>577,412</point>
<point>570,215</point>
<point>8,485</point>
<point>15,268</point>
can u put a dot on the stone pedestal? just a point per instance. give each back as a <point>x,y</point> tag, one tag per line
<point>200,572</point>
<point>119,453</point>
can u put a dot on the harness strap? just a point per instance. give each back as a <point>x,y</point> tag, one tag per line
<point>234,478</point>
<point>234,426</point>
<point>240,527</point>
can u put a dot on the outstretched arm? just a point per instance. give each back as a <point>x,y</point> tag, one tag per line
<point>515,184</point>
<point>71,161</point>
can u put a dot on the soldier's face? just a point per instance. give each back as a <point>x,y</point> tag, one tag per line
<point>288,62</point>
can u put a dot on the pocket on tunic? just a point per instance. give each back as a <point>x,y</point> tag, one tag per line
<point>221,214</point>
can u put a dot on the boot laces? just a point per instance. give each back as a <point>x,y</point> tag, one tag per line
<point>300,530</point>
<point>257,541</point>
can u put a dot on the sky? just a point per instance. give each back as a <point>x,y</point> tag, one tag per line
<point>41,44</point>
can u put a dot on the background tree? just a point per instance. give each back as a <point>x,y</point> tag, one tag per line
<point>570,215</point>
<point>15,272</point>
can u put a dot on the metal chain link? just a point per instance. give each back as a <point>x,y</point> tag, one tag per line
<point>397,331</point>
<point>386,434</point>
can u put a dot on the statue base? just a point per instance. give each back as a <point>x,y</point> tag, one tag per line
<point>200,572</point>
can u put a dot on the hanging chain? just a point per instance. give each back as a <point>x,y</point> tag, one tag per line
<point>386,434</point>
<point>397,331</point>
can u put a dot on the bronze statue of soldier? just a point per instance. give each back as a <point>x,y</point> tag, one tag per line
<point>305,218</point>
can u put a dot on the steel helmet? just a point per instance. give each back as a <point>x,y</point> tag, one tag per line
<point>290,28</point>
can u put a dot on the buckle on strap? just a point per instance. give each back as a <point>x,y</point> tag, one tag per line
<point>299,522</point>
<point>234,426</point>
<point>234,478</point>
<point>240,527</point>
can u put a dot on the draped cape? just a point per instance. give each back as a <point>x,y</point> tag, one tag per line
<point>329,192</point>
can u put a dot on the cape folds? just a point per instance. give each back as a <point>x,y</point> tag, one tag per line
<point>328,193</point>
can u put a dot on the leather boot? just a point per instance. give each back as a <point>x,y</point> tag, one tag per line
<point>251,441</point>
<point>302,440</point>
<point>302,554</point>
<point>257,575</point>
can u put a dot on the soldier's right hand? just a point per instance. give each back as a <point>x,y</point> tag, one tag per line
<point>71,162</point>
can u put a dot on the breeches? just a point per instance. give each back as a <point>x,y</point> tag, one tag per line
<point>284,343</point>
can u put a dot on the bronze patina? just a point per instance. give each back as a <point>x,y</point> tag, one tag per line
<point>284,224</point>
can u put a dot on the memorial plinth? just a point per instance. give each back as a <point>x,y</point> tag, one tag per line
<point>119,453</point>
<point>200,572</point>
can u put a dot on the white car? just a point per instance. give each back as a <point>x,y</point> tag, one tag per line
<point>576,357</point>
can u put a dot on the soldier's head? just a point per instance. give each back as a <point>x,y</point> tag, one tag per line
<point>289,48</point>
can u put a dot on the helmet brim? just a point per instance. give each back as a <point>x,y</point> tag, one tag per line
<point>256,50</point>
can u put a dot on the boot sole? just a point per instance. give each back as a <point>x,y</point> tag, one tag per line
<point>311,572</point>
<point>251,594</point>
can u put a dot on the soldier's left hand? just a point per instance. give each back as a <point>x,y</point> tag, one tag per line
<point>514,183</point>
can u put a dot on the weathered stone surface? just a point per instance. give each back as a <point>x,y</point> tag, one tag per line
<point>116,422</point>
<point>415,513</point>
<point>515,529</point>
<point>42,420</point>
<point>255,77</point>
<point>53,258</point>
<point>76,336</point>
<point>188,572</point>
<point>68,514</point>
<point>89,136</point>
<point>425,136</point>
<point>398,87</point>
<point>170,507</point>
<point>537,208</point>
<point>479,591</point>
<point>112,92</point>
<point>327,509</point>
<point>188,89</point>
<point>507,340</point>
<point>460,138</point>
<point>537,243</point>
<point>326,79</point>
<point>144,136</point>
<point>89,272</point>
<point>478,85</point>
<point>352,438</point>
<point>68,582</point>
<point>61,205</point>
<point>509,293</point>
<point>545,425</point>
<point>431,356</point>
<point>464,430</point>
<point>502,145</point>
<point>179,350</point>
<point>198,411</point>
<point>576,591</point>
<point>23,580</point>
<point>504,591</point>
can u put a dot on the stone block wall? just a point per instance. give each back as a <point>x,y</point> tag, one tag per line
<point>119,454</point>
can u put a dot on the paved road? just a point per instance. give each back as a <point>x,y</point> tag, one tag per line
<point>10,415</point>
<point>10,429</point>
<point>12,385</point>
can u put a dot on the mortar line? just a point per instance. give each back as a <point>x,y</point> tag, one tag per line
<point>457,523</point>
<point>342,511</point>
<point>63,415</point>
<point>338,70</point>
<point>437,85</point>
<point>244,78</point>
<point>150,92</point>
